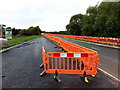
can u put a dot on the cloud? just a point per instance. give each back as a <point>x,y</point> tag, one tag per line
<point>50,15</point>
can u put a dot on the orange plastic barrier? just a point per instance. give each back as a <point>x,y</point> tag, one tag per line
<point>104,40</point>
<point>77,59</point>
<point>69,63</point>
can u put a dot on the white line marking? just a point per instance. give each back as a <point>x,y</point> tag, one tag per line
<point>109,74</point>
<point>100,68</point>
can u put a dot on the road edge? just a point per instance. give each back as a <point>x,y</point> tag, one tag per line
<point>1,51</point>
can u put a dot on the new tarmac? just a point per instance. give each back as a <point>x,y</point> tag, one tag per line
<point>20,68</point>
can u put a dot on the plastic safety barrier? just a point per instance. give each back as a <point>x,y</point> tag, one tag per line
<point>69,63</point>
<point>104,40</point>
<point>77,59</point>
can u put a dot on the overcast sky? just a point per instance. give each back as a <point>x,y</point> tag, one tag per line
<point>49,15</point>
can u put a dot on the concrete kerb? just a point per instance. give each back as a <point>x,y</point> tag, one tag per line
<point>1,51</point>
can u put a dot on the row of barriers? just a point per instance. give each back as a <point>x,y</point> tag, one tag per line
<point>104,40</point>
<point>77,60</point>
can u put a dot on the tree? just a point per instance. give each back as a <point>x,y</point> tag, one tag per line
<point>75,24</point>
<point>89,20</point>
<point>100,20</point>
<point>30,31</point>
<point>34,30</point>
<point>23,32</point>
<point>107,19</point>
<point>15,31</point>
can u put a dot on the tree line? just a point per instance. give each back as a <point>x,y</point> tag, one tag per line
<point>100,20</point>
<point>30,31</point>
<point>25,32</point>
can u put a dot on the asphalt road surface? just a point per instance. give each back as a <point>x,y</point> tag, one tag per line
<point>20,68</point>
<point>108,56</point>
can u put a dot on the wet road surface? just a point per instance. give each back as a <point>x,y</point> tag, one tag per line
<point>108,56</point>
<point>20,66</point>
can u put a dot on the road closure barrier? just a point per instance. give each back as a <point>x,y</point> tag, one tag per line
<point>76,59</point>
<point>104,40</point>
<point>69,63</point>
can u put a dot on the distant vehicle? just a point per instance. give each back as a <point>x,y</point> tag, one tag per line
<point>3,42</point>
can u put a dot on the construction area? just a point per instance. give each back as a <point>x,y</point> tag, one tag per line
<point>54,61</point>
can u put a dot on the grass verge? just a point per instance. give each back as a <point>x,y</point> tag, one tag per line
<point>21,39</point>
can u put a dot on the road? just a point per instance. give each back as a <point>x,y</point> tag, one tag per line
<point>20,68</point>
<point>108,56</point>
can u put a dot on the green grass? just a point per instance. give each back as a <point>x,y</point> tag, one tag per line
<point>21,39</point>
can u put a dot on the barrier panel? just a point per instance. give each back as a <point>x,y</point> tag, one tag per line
<point>69,63</point>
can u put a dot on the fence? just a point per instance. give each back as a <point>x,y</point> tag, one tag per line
<point>69,63</point>
<point>77,59</point>
<point>104,40</point>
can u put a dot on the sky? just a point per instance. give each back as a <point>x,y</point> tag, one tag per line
<point>49,15</point>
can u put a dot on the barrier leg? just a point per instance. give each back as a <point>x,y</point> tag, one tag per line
<point>56,77</point>
<point>41,65</point>
<point>93,75</point>
<point>85,78</point>
<point>43,73</point>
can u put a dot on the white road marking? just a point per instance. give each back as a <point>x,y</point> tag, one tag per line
<point>109,74</point>
<point>99,49</point>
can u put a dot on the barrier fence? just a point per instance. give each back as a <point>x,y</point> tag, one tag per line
<point>77,60</point>
<point>69,63</point>
<point>104,40</point>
